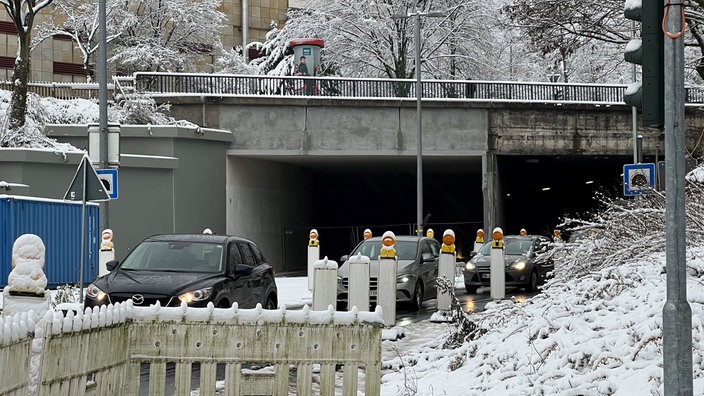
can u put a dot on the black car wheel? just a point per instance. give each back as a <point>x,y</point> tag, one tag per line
<point>470,289</point>
<point>417,300</point>
<point>533,283</point>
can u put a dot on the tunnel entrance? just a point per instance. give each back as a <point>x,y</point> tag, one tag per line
<point>381,195</point>
<point>535,192</point>
<point>538,192</point>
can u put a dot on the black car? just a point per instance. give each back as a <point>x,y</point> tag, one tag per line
<point>196,269</point>
<point>416,275</point>
<point>523,266</point>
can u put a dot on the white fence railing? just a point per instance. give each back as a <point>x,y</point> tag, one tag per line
<point>127,350</point>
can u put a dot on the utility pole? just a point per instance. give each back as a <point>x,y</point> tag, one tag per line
<point>419,113</point>
<point>677,314</point>
<point>103,104</point>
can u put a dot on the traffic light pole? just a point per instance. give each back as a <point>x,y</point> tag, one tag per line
<point>677,314</point>
<point>103,104</point>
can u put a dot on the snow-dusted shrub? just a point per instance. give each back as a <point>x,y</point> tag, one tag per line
<point>140,110</point>
<point>66,294</point>
<point>626,228</point>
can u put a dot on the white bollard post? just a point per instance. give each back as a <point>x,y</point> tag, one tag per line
<point>358,287</point>
<point>446,269</point>
<point>386,281</point>
<point>313,256</point>
<point>107,252</point>
<point>479,241</point>
<point>498,264</point>
<point>325,288</point>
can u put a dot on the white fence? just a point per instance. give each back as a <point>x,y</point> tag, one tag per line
<point>130,350</point>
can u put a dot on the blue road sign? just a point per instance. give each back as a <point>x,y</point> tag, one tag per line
<point>638,179</point>
<point>109,179</point>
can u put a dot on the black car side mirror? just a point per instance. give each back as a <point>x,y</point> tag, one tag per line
<point>112,264</point>
<point>472,254</point>
<point>243,270</point>
<point>428,257</point>
<point>343,259</point>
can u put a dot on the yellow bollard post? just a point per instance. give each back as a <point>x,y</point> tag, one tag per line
<point>313,256</point>
<point>446,268</point>
<point>497,260</point>
<point>479,241</point>
<point>386,281</point>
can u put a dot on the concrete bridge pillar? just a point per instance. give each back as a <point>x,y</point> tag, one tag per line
<point>490,191</point>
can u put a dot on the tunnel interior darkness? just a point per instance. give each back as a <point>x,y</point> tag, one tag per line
<point>537,193</point>
<point>381,196</point>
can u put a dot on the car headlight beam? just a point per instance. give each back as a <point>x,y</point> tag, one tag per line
<point>196,295</point>
<point>518,265</point>
<point>402,279</point>
<point>94,292</point>
<point>470,266</point>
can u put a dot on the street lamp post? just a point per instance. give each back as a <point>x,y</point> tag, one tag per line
<point>419,119</point>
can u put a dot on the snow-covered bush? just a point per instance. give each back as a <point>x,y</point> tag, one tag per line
<point>131,110</point>
<point>633,228</point>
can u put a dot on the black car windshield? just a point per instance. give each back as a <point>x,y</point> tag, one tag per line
<point>512,247</point>
<point>405,250</point>
<point>175,256</point>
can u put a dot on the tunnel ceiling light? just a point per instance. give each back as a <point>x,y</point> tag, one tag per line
<point>508,195</point>
<point>546,188</point>
<point>590,182</point>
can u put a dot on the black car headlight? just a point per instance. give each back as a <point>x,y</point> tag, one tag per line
<point>519,265</point>
<point>95,293</point>
<point>470,266</point>
<point>402,279</point>
<point>196,295</point>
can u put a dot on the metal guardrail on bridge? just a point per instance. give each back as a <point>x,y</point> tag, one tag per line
<point>155,84</point>
<point>222,85</point>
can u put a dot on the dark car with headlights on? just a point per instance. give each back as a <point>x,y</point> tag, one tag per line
<point>196,269</point>
<point>416,274</point>
<point>523,265</point>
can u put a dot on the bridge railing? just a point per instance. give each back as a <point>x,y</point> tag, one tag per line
<point>237,85</point>
<point>169,84</point>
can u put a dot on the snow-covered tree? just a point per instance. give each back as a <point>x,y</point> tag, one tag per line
<point>78,20</point>
<point>366,40</point>
<point>599,30</point>
<point>167,35</point>
<point>22,13</point>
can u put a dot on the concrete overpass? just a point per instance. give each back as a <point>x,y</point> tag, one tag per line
<point>342,165</point>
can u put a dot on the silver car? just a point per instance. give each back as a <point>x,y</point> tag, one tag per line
<point>416,274</point>
<point>523,266</point>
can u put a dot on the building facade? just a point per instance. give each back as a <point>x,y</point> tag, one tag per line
<point>57,60</point>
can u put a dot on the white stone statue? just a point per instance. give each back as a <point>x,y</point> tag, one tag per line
<point>27,275</point>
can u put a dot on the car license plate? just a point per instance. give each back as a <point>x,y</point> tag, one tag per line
<point>486,276</point>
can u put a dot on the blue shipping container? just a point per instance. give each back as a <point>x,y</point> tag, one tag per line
<point>58,224</point>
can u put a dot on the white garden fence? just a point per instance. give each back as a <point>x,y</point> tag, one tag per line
<point>130,350</point>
